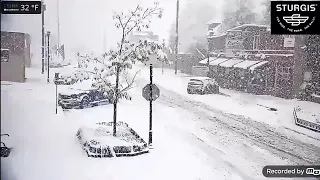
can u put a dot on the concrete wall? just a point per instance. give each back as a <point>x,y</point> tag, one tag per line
<point>14,69</point>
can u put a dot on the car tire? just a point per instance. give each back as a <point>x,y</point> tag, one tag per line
<point>85,103</point>
<point>189,91</point>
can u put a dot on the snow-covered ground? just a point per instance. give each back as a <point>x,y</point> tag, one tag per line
<point>190,140</point>
<point>45,146</point>
<point>239,103</point>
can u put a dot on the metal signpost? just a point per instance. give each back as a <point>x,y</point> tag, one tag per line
<point>56,77</point>
<point>48,78</point>
<point>43,36</point>
<point>150,92</point>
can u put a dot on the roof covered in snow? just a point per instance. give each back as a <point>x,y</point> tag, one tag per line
<point>241,27</point>
<point>246,64</point>
<point>230,62</point>
<point>218,61</point>
<point>205,61</point>
<point>258,65</point>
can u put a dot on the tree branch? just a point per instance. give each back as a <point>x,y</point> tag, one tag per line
<point>129,86</point>
<point>125,25</point>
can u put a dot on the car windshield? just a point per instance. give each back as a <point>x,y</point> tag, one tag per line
<point>193,89</point>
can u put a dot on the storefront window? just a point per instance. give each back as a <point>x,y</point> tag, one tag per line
<point>4,55</point>
<point>307,76</point>
<point>227,71</point>
<point>242,73</point>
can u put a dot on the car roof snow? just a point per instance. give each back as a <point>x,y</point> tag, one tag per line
<point>200,78</point>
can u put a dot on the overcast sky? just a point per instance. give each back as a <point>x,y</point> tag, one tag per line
<point>83,22</point>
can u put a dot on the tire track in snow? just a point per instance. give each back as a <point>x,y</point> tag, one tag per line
<point>279,144</point>
<point>261,134</point>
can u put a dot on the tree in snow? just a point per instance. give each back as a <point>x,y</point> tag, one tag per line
<point>116,62</point>
<point>238,12</point>
<point>193,26</point>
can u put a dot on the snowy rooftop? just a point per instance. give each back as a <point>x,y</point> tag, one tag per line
<point>217,35</point>
<point>218,61</point>
<point>230,62</point>
<point>283,55</point>
<point>258,65</point>
<point>245,64</point>
<point>205,61</point>
<point>247,25</point>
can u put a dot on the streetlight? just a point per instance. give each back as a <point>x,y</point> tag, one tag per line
<point>48,35</point>
<point>43,36</point>
<point>177,39</point>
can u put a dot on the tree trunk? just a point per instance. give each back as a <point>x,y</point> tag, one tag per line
<point>115,102</point>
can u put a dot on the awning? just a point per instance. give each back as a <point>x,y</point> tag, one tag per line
<point>230,63</point>
<point>205,61</point>
<point>258,65</point>
<point>218,61</point>
<point>246,64</point>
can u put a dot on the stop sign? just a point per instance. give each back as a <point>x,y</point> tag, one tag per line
<point>155,92</point>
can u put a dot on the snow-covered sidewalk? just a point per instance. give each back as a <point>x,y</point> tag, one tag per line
<point>238,103</point>
<point>45,146</point>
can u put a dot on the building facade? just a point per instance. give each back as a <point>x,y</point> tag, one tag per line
<point>15,56</point>
<point>250,59</point>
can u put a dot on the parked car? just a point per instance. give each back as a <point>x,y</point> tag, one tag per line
<point>84,97</point>
<point>97,141</point>
<point>65,80</point>
<point>202,85</point>
<point>92,144</point>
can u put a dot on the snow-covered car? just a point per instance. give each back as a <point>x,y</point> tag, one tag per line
<point>83,98</point>
<point>59,64</point>
<point>202,85</point>
<point>83,95</point>
<point>65,80</point>
<point>97,140</point>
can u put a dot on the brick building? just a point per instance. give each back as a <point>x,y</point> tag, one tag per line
<point>249,58</point>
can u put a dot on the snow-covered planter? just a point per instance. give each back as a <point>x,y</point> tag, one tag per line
<point>306,119</point>
<point>98,140</point>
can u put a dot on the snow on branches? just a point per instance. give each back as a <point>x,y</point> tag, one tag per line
<point>106,70</point>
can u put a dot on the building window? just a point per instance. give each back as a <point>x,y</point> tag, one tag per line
<point>307,76</point>
<point>4,55</point>
<point>284,77</point>
<point>256,42</point>
<point>227,71</point>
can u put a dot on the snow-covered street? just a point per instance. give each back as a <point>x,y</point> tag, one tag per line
<point>192,140</point>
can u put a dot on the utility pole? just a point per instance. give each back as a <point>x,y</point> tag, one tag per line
<point>58,22</point>
<point>48,77</point>
<point>43,36</point>
<point>150,110</point>
<point>177,39</point>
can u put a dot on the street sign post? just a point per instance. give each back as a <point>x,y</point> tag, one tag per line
<point>150,92</point>
<point>56,76</point>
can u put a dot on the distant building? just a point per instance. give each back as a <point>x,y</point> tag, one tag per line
<point>15,56</point>
<point>249,58</point>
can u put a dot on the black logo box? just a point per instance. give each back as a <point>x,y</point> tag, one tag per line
<point>276,16</point>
